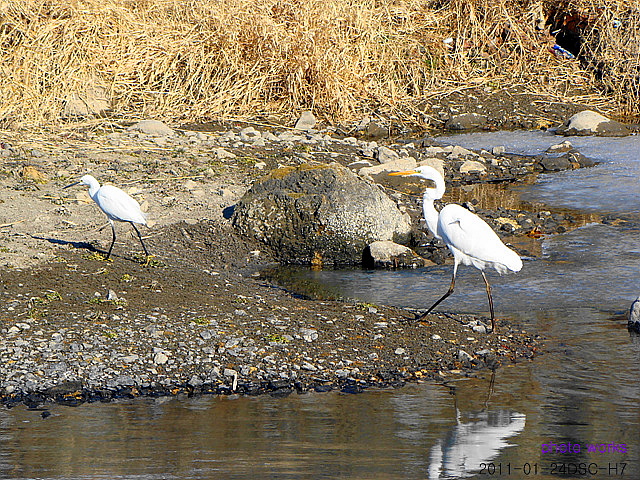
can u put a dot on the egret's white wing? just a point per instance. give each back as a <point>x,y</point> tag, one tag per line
<point>118,205</point>
<point>471,235</point>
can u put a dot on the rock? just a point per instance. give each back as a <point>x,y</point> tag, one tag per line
<point>94,101</point>
<point>589,122</point>
<point>308,334</point>
<point>399,165</point>
<point>456,151</point>
<point>434,162</point>
<point>389,254</point>
<point>465,121</point>
<point>152,127</point>
<point>560,147</point>
<point>373,130</point>
<point>222,154</point>
<point>499,150</point>
<point>386,155</point>
<point>33,174</point>
<point>318,214</point>
<point>634,316</point>
<point>464,356</point>
<point>555,164</point>
<point>250,134</point>
<point>472,166</point>
<point>306,121</point>
<point>160,358</point>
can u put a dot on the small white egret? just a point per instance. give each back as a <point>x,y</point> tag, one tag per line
<point>117,205</point>
<point>470,239</point>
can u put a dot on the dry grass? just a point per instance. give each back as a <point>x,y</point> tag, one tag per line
<point>191,60</point>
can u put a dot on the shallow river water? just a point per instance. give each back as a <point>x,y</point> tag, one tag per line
<point>574,412</point>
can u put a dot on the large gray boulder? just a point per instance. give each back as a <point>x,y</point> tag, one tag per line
<point>319,214</point>
<point>589,122</point>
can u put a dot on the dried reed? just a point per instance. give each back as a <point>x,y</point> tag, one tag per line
<point>191,60</point>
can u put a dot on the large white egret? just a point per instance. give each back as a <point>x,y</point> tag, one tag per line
<point>470,239</point>
<point>117,205</point>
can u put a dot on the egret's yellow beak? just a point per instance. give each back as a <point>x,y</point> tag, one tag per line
<point>408,172</point>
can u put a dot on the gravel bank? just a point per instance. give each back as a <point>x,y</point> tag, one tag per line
<point>76,328</point>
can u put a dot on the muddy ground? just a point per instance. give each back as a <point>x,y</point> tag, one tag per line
<point>197,318</point>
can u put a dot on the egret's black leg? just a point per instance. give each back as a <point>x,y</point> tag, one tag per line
<point>113,229</point>
<point>449,292</point>
<point>486,282</point>
<point>140,237</point>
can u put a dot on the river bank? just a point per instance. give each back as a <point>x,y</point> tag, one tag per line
<point>198,319</point>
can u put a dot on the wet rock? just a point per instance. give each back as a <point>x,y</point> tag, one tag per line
<point>319,214</point>
<point>556,164</point>
<point>387,254</point>
<point>589,122</point>
<point>498,150</point>
<point>466,121</point>
<point>560,147</point>
<point>634,316</point>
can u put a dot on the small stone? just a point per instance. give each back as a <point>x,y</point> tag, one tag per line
<point>160,358</point>
<point>152,127</point>
<point>563,147</point>
<point>386,155</point>
<point>306,121</point>
<point>399,351</point>
<point>479,329</point>
<point>435,336</point>
<point>308,334</point>
<point>190,185</point>
<point>472,166</point>
<point>499,150</point>
<point>195,381</point>
<point>309,367</point>
<point>465,121</point>
<point>222,154</point>
<point>464,356</point>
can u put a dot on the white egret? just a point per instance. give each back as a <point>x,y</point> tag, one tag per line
<point>117,205</point>
<point>470,239</point>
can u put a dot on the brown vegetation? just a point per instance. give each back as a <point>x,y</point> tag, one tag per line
<point>191,60</point>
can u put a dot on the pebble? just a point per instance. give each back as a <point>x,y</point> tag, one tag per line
<point>160,358</point>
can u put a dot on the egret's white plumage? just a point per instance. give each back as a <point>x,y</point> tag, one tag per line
<point>470,239</point>
<point>116,204</point>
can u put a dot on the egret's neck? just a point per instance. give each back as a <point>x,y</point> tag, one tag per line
<point>94,186</point>
<point>430,213</point>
